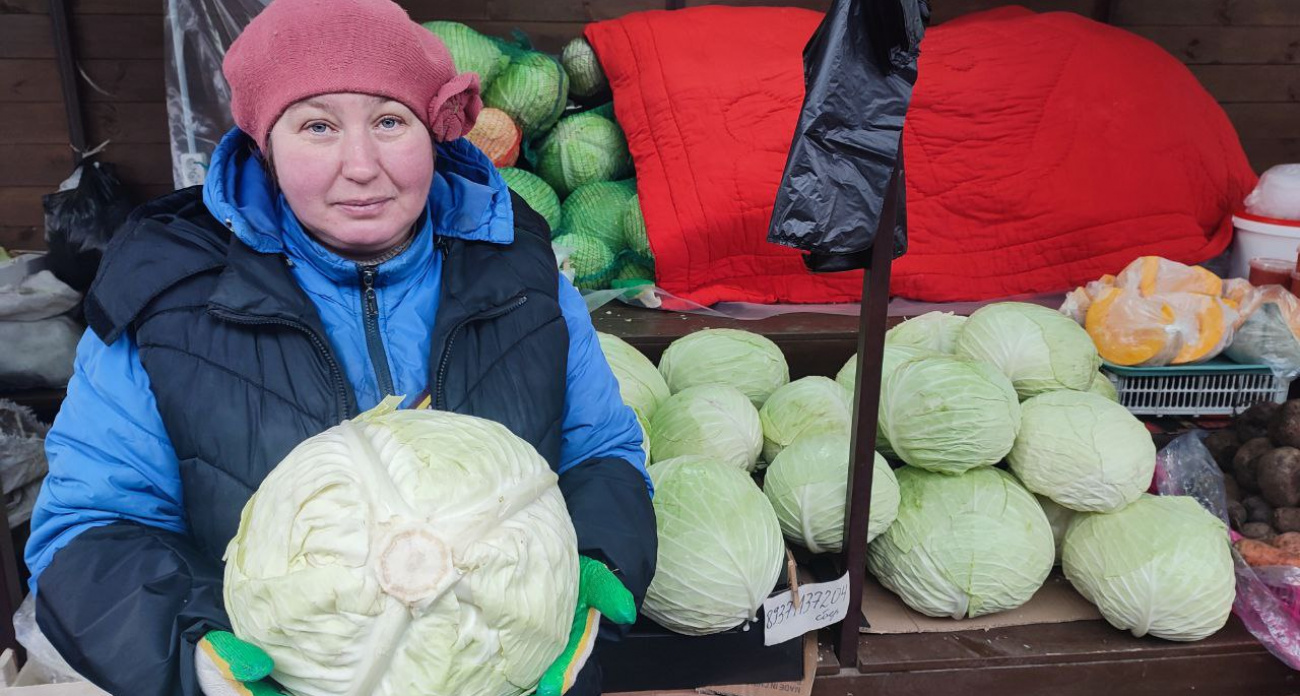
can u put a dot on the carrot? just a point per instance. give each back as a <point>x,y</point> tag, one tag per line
<point>1257,553</point>
<point>1289,542</point>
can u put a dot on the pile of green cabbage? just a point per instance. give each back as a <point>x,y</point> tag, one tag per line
<point>383,536</point>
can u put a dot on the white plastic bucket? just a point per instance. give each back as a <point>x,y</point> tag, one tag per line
<point>1261,237</point>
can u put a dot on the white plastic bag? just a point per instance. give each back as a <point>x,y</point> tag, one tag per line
<point>39,338</point>
<point>1278,193</point>
<point>49,665</point>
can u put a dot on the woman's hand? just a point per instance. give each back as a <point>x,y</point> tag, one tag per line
<point>599,592</point>
<point>228,666</point>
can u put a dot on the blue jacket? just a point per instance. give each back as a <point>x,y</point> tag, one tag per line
<point>109,454</point>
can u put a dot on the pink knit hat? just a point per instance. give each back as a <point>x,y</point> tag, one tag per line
<point>296,49</point>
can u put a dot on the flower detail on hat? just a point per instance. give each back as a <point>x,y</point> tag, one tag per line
<point>455,108</point>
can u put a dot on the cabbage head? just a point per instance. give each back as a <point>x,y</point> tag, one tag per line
<point>894,356</point>
<point>747,361</point>
<point>533,89</point>
<point>399,534</point>
<point>1102,386</point>
<point>639,383</point>
<point>714,421</point>
<point>471,51</point>
<point>808,483</point>
<point>963,546</point>
<point>1039,349</point>
<point>536,193</point>
<point>808,405</point>
<point>593,262</point>
<point>936,332</point>
<point>586,77</point>
<point>949,415</point>
<point>720,547</point>
<point>583,149</point>
<point>1060,519</point>
<point>1083,451</point>
<point>1161,566</point>
<point>596,211</point>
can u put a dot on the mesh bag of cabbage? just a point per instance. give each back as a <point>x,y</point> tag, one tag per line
<point>533,89</point>
<point>596,210</point>
<point>583,149</point>
<point>586,77</point>
<point>592,260</point>
<point>471,51</point>
<point>536,193</point>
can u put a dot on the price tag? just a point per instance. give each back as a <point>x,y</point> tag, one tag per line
<point>820,604</point>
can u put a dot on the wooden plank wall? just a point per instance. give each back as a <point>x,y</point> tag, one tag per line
<point>1246,52</point>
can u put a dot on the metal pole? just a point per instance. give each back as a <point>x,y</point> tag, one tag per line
<point>871,349</point>
<point>68,77</point>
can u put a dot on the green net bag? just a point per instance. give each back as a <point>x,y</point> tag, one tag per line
<point>533,89</point>
<point>596,210</point>
<point>537,193</point>
<point>586,77</point>
<point>632,268</point>
<point>471,51</point>
<point>593,262</point>
<point>583,149</point>
<point>634,231</point>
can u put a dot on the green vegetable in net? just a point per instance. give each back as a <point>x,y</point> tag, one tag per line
<point>631,268</point>
<point>583,149</point>
<point>634,229</point>
<point>592,260</point>
<point>533,89</point>
<point>537,193</point>
<point>471,51</point>
<point>596,210</point>
<point>586,77</point>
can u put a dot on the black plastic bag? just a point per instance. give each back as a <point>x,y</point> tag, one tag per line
<point>80,218</point>
<point>859,69</point>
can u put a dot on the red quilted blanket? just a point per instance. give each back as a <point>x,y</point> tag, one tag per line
<point>1043,150</point>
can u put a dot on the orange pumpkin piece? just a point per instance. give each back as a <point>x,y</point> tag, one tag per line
<point>1207,323</point>
<point>1153,275</point>
<point>1132,330</point>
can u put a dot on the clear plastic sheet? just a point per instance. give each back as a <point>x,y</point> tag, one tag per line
<point>1278,193</point>
<point>197,33</point>
<point>1268,599</point>
<point>42,658</point>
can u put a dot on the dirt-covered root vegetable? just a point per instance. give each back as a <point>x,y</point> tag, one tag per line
<point>1245,464</point>
<point>1254,421</point>
<point>1288,542</point>
<point>1284,427</point>
<point>1286,519</point>
<point>1223,446</point>
<point>1237,516</point>
<point>1231,489</point>
<point>1278,474</point>
<point>1258,510</point>
<point>1258,530</point>
<point>1260,554</point>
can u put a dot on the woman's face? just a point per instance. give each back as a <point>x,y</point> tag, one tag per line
<point>354,168</point>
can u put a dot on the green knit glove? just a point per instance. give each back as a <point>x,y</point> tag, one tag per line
<point>599,592</point>
<point>228,666</point>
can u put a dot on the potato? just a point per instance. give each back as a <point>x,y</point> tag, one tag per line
<point>1223,446</point>
<point>1231,489</point>
<point>1258,530</point>
<point>1237,516</point>
<point>1258,510</point>
<point>1244,464</point>
<point>1278,474</point>
<point>1254,421</point>
<point>1284,428</point>
<point>1286,519</point>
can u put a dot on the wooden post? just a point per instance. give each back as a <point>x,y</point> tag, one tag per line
<point>68,77</point>
<point>866,405</point>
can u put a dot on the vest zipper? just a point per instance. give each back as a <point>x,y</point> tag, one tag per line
<point>440,391</point>
<point>374,341</point>
<point>336,373</point>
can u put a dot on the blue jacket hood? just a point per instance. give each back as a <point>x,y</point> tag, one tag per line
<point>468,199</point>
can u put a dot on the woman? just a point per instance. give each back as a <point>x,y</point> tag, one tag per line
<point>347,245</point>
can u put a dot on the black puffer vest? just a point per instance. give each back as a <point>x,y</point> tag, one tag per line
<point>243,371</point>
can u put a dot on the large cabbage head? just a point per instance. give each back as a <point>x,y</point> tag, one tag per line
<point>807,485</point>
<point>533,89</point>
<point>808,405</point>
<point>1083,451</point>
<point>471,51</point>
<point>1060,519</point>
<point>747,361</point>
<point>1102,386</point>
<point>639,383</point>
<point>1161,566</point>
<point>593,262</point>
<point>596,211</point>
<point>1039,349</point>
<point>949,415</point>
<point>586,77</point>
<point>536,193</point>
<point>406,552</point>
<point>894,356</point>
<point>963,546</point>
<point>714,421</point>
<point>936,332</point>
<point>720,547</point>
<point>583,149</point>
